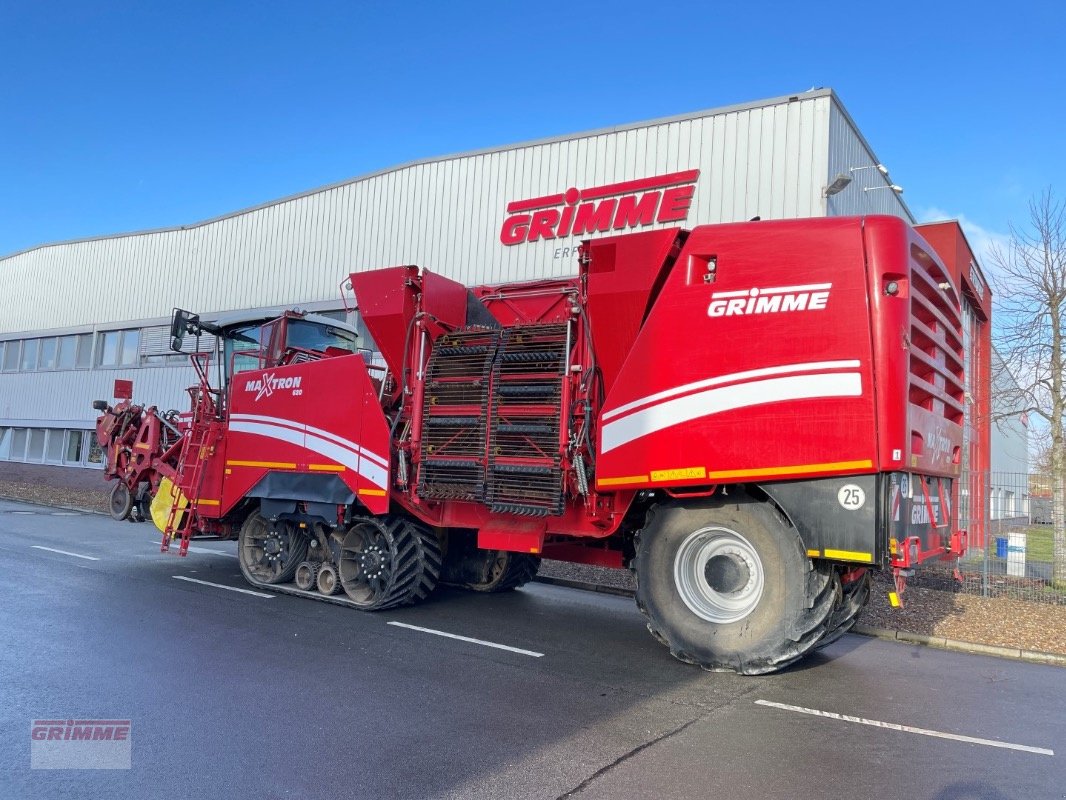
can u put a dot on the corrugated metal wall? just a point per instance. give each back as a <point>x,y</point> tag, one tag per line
<point>65,398</point>
<point>848,151</point>
<point>767,160</point>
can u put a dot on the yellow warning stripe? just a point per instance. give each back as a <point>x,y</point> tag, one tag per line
<point>626,479</point>
<point>326,467</point>
<point>836,466</point>
<point>267,464</point>
<point>142,446</point>
<point>797,469</point>
<point>206,502</point>
<point>849,555</point>
<point>814,553</point>
<point>893,598</point>
<point>372,492</point>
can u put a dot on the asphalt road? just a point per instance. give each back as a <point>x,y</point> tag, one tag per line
<point>238,695</point>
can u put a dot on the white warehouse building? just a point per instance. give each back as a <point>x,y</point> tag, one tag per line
<point>78,315</point>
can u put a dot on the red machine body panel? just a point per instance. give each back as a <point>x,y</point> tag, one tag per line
<point>923,320</point>
<point>622,283</point>
<point>755,362</point>
<point>314,417</point>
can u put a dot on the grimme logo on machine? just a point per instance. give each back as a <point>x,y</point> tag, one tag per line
<point>265,386</point>
<point>809,297</point>
<point>616,206</point>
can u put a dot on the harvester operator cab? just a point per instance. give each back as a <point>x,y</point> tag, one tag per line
<point>254,340</point>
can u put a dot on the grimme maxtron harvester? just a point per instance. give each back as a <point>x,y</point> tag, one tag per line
<point>750,416</point>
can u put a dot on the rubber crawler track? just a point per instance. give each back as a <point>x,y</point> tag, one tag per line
<point>427,551</point>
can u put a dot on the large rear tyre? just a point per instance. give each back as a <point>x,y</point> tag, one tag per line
<point>387,562</point>
<point>269,555</point>
<point>726,584</point>
<point>120,503</point>
<point>503,571</point>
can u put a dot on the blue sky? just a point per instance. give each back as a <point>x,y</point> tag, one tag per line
<point>118,116</point>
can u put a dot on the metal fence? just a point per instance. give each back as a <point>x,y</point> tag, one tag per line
<point>1008,516</point>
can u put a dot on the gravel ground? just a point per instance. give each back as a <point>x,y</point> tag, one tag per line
<point>931,612</point>
<point>77,487</point>
<point>997,621</point>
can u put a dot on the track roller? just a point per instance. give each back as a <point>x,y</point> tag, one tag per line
<point>306,575</point>
<point>327,580</point>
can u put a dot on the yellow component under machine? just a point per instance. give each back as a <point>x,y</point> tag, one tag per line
<point>162,502</point>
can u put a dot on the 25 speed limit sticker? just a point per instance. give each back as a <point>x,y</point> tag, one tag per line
<point>851,497</point>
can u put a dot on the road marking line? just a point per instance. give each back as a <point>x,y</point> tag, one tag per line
<point>193,549</point>
<point>908,728</point>
<point>212,552</point>
<point>221,586</point>
<point>64,552</point>
<point>447,635</point>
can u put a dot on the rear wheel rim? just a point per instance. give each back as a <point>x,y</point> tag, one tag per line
<point>719,575</point>
<point>121,501</point>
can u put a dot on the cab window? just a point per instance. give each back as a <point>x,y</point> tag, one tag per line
<point>314,336</point>
<point>242,347</point>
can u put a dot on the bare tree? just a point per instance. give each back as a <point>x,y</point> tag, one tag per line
<point>1029,326</point>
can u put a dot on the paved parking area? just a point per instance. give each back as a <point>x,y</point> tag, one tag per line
<point>546,692</point>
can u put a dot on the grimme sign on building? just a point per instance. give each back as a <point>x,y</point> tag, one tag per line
<point>614,207</point>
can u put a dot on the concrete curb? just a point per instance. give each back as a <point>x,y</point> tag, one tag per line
<point>26,502</point>
<point>939,642</point>
<point>584,586</point>
<point>943,643</point>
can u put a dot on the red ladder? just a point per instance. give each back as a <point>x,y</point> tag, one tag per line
<point>199,445</point>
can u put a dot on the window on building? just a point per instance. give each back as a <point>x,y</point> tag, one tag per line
<point>47,357</point>
<point>73,451</point>
<point>96,454</point>
<point>49,445</point>
<point>68,352</point>
<point>131,343</point>
<point>85,350</point>
<point>118,348</point>
<point>109,343</point>
<point>53,451</point>
<point>35,447</point>
<point>18,444</point>
<point>11,355</point>
<point>29,354</point>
